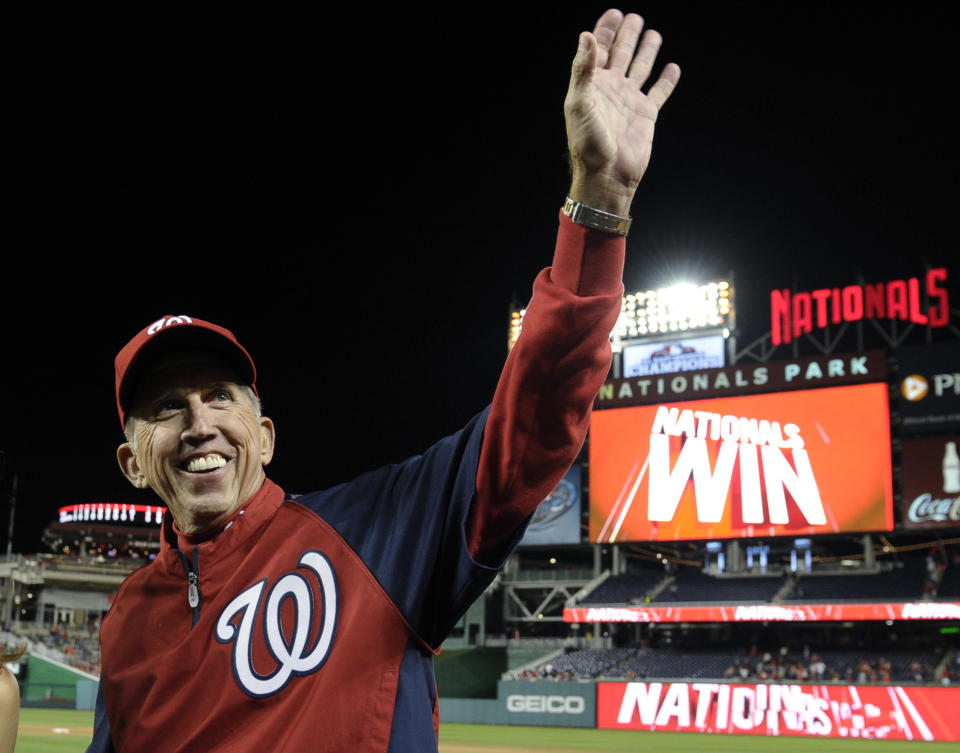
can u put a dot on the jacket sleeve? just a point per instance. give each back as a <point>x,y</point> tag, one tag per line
<point>541,409</point>
<point>434,529</point>
<point>102,739</point>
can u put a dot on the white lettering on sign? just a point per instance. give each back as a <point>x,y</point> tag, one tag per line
<point>768,613</point>
<point>925,508</point>
<point>716,705</point>
<point>742,439</point>
<point>930,610</point>
<point>546,704</point>
<point>614,614</point>
<point>946,383</point>
<point>640,697</point>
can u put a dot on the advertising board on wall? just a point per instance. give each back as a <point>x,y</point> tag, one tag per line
<point>553,704</point>
<point>760,465</point>
<point>931,482</point>
<point>929,388</point>
<point>667,357</point>
<point>107,513</point>
<point>881,712</point>
<point>745,379</point>
<point>847,612</point>
<point>557,519</point>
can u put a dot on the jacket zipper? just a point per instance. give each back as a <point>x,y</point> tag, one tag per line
<point>192,571</point>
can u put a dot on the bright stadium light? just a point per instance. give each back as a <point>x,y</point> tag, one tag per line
<point>681,308</point>
<point>513,332</point>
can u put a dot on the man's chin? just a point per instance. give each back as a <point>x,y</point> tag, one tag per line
<point>199,514</point>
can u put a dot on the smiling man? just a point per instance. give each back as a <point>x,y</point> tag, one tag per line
<point>272,621</point>
<point>195,435</point>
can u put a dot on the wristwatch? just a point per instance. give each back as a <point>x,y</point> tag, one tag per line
<point>586,215</point>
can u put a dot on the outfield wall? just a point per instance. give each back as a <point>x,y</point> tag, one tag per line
<point>518,702</point>
<point>891,712</point>
<point>883,712</point>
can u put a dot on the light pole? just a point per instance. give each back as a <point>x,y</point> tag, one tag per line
<point>13,508</point>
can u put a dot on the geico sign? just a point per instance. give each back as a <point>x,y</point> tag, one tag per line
<point>550,704</point>
<point>741,439</point>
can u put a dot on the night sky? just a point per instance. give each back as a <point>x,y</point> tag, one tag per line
<point>360,201</point>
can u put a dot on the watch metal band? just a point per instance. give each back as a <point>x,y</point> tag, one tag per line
<point>596,218</point>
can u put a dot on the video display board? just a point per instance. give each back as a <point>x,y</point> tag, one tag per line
<point>931,482</point>
<point>929,388</point>
<point>788,463</point>
<point>557,519</point>
<point>840,612</point>
<point>110,513</point>
<point>689,354</point>
<point>871,712</point>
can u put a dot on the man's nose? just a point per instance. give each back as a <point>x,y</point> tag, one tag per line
<point>199,423</point>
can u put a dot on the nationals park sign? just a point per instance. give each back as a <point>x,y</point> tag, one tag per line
<point>776,376</point>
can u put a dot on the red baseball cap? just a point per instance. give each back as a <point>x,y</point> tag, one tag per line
<point>170,334</point>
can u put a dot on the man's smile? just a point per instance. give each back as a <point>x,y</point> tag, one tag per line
<point>204,463</point>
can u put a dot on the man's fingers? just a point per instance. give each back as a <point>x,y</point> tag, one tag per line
<point>660,92</point>
<point>605,32</point>
<point>643,61</point>
<point>621,52</point>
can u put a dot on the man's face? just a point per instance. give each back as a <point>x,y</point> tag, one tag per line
<point>197,441</point>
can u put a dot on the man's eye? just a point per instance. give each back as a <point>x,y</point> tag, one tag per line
<point>165,406</point>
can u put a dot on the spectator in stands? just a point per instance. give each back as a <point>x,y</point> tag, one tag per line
<point>817,669</point>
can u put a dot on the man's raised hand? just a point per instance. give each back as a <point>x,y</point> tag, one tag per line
<point>609,118</point>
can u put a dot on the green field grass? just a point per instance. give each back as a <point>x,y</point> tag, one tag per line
<point>54,731</point>
<point>624,741</point>
<point>58,731</point>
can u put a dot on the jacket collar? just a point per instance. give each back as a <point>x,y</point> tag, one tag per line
<point>242,524</point>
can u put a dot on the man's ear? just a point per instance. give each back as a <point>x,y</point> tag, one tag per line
<point>130,466</point>
<point>268,438</point>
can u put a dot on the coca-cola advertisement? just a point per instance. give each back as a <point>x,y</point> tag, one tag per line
<point>931,482</point>
<point>877,712</point>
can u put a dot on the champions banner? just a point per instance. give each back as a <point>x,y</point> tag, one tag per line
<point>880,712</point>
<point>922,610</point>
<point>778,464</point>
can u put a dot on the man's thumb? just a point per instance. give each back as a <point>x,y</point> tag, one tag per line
<point>585,60</point>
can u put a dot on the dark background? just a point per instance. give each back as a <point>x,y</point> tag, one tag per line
<point>360,197</point>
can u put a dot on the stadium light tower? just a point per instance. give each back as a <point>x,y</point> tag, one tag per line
<point>681,310</point>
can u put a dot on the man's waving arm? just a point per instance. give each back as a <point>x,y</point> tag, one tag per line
<point>541,409</point>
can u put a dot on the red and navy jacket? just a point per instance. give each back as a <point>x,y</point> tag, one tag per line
<point>309,623</point>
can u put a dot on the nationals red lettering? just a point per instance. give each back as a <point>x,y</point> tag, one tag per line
<point>794,313</point>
